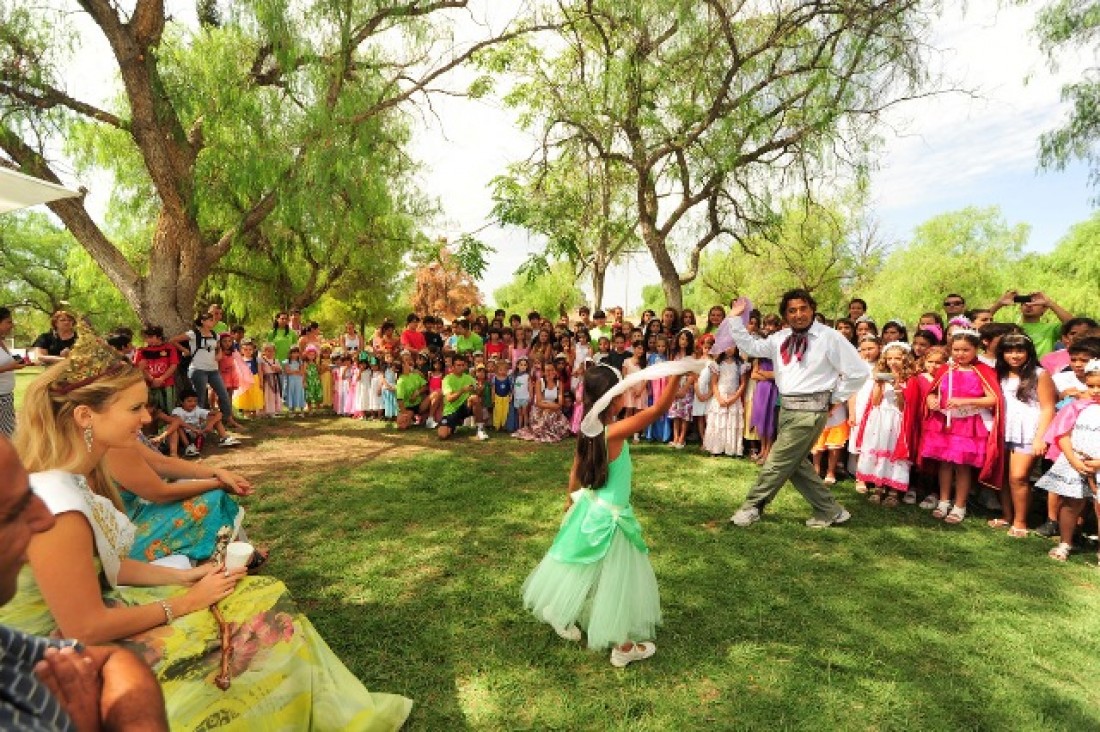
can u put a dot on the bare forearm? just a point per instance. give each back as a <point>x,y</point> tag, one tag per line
<point>131,698</point>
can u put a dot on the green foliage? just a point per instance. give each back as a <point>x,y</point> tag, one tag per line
<point>972,252</point>
<point>1070,274</point>
<point>830,250</point>
<point>715,112</point>
<point>1073,26</point>
<point>552,292</point>
<point>264,145</point>
<point>579,203</point>
<point>43,269</point>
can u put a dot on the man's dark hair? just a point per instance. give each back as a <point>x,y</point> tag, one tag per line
<point>860,300</point>
<point>460,357</point>
<point>1074,322</point>
<point>534,315</point>
<point>797,294</point>
<point>955,294</point>
<point>991,331</point>
<point>412,318</point>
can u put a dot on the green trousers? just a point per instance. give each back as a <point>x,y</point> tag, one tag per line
<point>797,433</point>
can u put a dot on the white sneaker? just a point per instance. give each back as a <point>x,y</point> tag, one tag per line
<point>639,652</point>
<point>840,518</point>
<point>745,516</point>
<point>190,451</point>
<point>481,434</point>
<point>430,423</point>
<point>229,441</point>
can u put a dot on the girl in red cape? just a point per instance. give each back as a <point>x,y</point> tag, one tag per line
<point>889,425</point>
<point>963,426</point>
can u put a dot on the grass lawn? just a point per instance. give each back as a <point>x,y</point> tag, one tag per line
<point>23,377</point>
<point>409,554</point>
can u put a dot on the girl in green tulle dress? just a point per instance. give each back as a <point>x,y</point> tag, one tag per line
<point>597,578</point>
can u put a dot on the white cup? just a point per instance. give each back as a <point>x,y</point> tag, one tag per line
<point>237,554</point>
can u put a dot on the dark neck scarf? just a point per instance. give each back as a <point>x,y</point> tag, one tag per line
<point>795,346</point>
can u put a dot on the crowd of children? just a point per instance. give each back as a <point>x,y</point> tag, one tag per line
<point>964,402</point>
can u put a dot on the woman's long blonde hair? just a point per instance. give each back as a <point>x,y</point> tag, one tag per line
<point>47,436</point>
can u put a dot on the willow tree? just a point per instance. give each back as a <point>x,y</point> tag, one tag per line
<point>718,108</point>
<point>226,130</point>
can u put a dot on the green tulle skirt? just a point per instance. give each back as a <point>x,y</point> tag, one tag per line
<point>612,600</point>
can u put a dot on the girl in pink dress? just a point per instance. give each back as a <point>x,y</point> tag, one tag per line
<point>636,399</point>
<point>963,426</point>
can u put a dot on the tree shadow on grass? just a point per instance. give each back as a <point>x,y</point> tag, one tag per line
<point>894,622</point>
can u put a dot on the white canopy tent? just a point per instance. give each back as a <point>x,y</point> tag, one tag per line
<point>19,191</point>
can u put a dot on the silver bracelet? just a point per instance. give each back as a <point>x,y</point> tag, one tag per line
<point>169,616</point>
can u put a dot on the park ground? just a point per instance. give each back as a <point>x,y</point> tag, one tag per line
<point>408,554</point>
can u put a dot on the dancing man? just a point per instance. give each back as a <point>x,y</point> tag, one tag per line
<point>815,367</point>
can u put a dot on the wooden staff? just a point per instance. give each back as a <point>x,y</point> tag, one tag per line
<point>222,680</point>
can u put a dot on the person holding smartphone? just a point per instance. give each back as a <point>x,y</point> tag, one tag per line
<point>1033,307</point>
<point>9,364</point>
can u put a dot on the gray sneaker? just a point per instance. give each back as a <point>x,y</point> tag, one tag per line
<point>840,518</point>
<point>745,516</point>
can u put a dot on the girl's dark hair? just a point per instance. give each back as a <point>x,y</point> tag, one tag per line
<point>737,359</point>
<point>592,451</point>
<point>928,336</point>
<point>690,346</point>
<point>1029,378</point>
<point>970,338</point>
<point>275,325</point>
<point>900,328</point>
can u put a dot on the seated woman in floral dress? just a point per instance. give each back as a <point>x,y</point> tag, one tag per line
<point>181,517</point>
<point>280,673</point>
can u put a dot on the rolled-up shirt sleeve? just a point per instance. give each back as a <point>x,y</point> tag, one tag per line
<point>852,369</point>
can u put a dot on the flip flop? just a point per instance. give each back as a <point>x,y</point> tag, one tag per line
<point>997,523</point>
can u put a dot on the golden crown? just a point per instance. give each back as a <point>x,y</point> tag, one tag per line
<point>89,360</point>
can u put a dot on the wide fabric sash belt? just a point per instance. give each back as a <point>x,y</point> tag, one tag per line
<point>817,402</point>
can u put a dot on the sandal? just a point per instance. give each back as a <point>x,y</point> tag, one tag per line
<point>998,523</point>
<point>1060,552</point>
<point>861,487</point>
<point>941,510</point>
<point>891,500</point>
<point>1017,533</point>
<point>956,516</point>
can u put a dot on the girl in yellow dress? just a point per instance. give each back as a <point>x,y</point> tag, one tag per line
<point>251,399</point>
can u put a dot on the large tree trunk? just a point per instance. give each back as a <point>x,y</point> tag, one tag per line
<point>670,278</point>
<point>176,271</point>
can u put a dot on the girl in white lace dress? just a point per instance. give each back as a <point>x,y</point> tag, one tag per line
<point>726,409</point>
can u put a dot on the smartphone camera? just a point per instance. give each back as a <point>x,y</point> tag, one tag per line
<point>1021,299</point>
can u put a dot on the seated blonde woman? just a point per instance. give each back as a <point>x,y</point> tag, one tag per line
<point>281,673</point>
